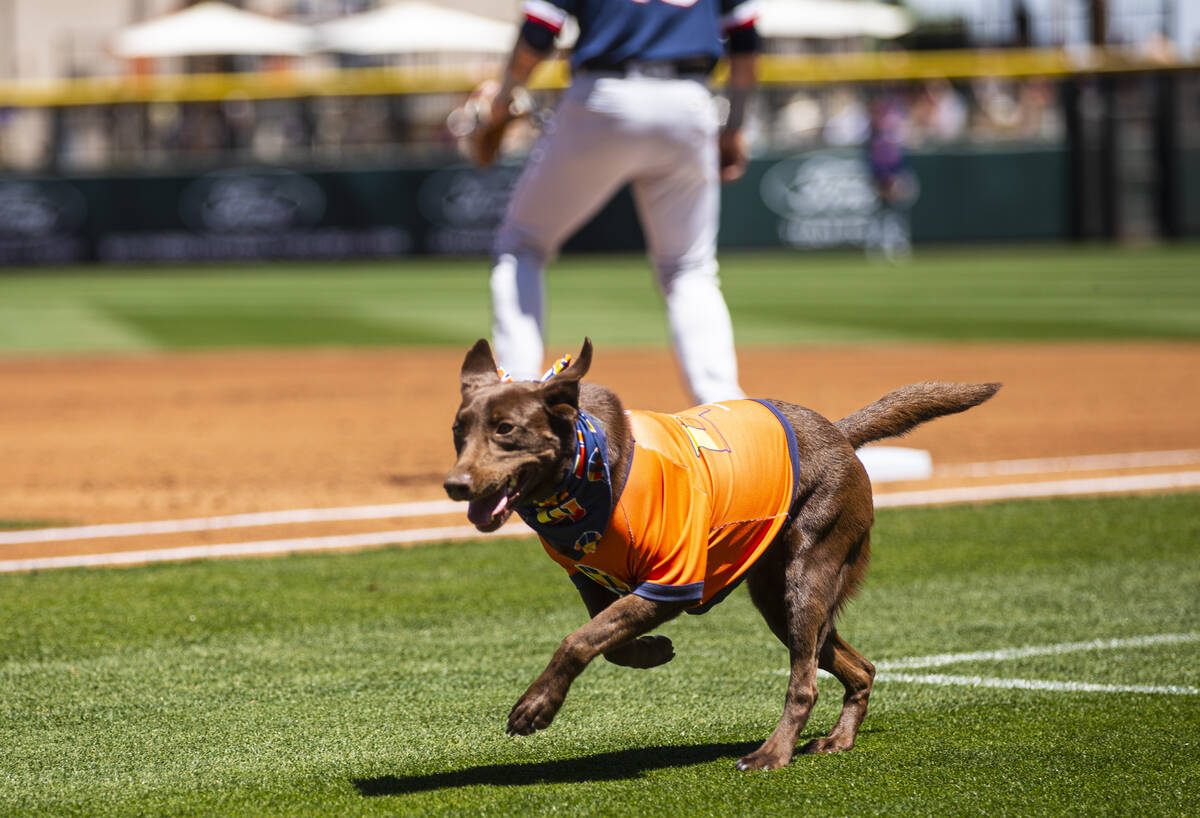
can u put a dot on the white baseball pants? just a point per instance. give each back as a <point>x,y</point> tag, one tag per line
<point>607,131</point>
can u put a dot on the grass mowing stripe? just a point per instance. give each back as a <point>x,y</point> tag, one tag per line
<point>66,325</point>
<point>775,298</point>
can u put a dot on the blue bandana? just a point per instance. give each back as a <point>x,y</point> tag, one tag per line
<point>559,365</point>
<point>573,519</point>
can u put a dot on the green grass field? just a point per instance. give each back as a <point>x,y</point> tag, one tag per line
<point>377,683</point>
<point>1003,293</point>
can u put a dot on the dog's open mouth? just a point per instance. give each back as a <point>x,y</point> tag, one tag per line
<point>490,511</point>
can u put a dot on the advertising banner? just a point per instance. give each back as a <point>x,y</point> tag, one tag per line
<point>813,200</point>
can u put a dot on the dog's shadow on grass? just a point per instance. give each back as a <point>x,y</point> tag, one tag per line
<point>615,766</point>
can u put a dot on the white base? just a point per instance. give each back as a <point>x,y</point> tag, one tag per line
<point>890,463</point>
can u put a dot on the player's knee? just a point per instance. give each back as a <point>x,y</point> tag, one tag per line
<point>512,240</point>
<point>675,273</point>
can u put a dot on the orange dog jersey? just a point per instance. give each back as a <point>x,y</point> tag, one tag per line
<point>708,489</point>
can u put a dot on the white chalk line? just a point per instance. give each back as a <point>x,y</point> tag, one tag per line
<point>300,515</point>
<point>1092,462</point>
<point>941,659</point>
<point>1036,684</point>
<point>414,536</point>
<point>1100,485</point>
<point>886,669</point>
<point>254,549</point>
<point>1052,488</point>
<point>1097,485</point>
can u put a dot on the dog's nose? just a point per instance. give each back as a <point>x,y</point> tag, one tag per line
<point>458,486</point>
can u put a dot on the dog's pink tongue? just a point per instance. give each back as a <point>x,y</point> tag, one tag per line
<point>485,509</point>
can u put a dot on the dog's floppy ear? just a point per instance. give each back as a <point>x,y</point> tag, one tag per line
<point>563,388</point>
<point>479,367</point>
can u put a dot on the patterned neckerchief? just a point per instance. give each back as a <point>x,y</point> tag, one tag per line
<point>574,518</point>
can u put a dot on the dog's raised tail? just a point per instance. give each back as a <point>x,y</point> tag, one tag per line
<point>901,410</point>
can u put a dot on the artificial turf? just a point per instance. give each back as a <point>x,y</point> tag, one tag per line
<point>378,682</point>
<point>992,293</point>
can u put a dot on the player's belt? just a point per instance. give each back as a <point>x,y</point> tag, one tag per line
<point>660,69</point>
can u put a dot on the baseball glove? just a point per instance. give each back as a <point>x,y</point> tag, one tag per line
<point>475,124</point>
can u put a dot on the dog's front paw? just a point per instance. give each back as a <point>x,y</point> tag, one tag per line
<point>533,711</point>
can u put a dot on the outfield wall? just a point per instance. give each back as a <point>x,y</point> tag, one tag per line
<point>1189,192</point>
<point>809,200</point>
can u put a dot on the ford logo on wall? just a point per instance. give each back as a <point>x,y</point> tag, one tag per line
<point>465,206</point>
<point>252,201</point>
<point>36,209</point>
<point>819,184</point>
<point>823,199</point>
<point>467,197</point>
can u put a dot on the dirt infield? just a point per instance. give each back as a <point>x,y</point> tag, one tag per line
<point>95,440</point>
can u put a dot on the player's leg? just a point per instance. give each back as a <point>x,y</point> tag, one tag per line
<point>679,206</point>
<point>518,310</point>
<point>700,325</point>
<point>574,168</point>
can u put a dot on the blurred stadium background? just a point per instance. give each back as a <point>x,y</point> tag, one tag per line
<point>149,130</point>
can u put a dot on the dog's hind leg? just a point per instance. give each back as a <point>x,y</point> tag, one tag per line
<point>804,577</point>
<point>798,586</point>
<point>801,629</point>
<point>856,674</point>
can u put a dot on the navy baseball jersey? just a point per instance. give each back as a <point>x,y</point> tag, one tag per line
<point>614,31</point>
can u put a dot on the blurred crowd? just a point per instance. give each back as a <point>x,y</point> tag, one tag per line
<point>935,112</point>
<point>413,128</point>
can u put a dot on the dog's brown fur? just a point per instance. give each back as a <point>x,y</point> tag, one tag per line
<point>517,438</point>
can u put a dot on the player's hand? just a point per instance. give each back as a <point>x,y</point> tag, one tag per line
<point>643,652</point>
<point>491,121</point>
<point>485,142</point>
<point>492,113</point>
<point>731,146</point>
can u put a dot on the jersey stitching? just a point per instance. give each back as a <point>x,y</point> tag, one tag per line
<point>628,526</point>
<point>751,520</point>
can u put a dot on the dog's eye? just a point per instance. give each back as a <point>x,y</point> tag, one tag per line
<point>504,427</point>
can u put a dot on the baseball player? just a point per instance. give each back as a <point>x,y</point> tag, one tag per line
<point>638,111</point>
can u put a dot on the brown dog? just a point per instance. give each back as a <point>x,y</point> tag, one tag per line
<point>520,445</point>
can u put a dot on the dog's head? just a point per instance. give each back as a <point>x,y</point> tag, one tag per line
<point>514,439</point>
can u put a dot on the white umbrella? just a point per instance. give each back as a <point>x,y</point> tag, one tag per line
<point>413,28</point>
<point>832,19</point>
<point>212,28</point>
